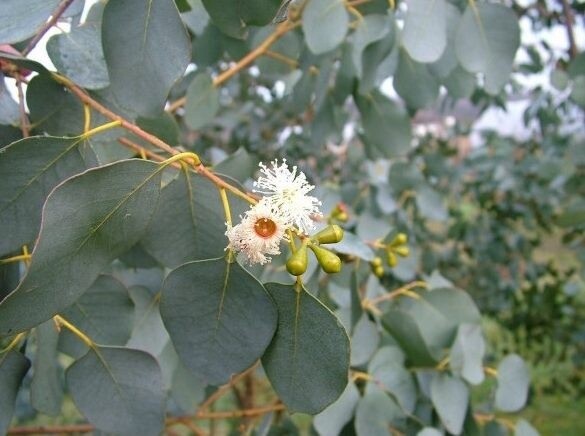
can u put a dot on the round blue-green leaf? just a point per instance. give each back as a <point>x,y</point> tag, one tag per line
<point>375,413</point>
<point>104,312</point>
<point>79,54</point>
<point>414,83</point>
<point>29,170</point>
<point>119,390</point>
<point>220,318</point>
<point>88,221</point>
<point>9,113</point>
<point>371,29</point>
<point>386,126</point>
<point>467,352</point>
<point>364,340</point>
<point>307,361</point>
<point>20,19</point>
<point>523,428</point>
<point>225,15</point>
<point>388,373</point>
<point>202,101</point>
<point>513,383</point>
<point>147,49</point>
<point>487,40</point>
<point>325,23</point>
<point>443,66</point>
<point>424,35</point>
<point>450,397</point>
<point>46,390</point>
<point>13,368</point>
<point>331,421</point>
<point>189,222</point>
<point>405,331</point>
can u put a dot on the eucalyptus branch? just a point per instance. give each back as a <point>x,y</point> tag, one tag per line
<point>246,61</point>
<point>201,169</point>
<point>573,51</point>
<point>86,428</point>
<point>24,123</point>
<point>44,29</point>
<point>87,99</point>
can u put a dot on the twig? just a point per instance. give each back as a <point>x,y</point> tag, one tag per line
<point>85,428</point>
<point>247,60</point>
<point>85,98</point>
<point>573,52</point>
<point>24,124</point>
<point>225,388</point>
<point>54,18</point>
<point>201,169</point>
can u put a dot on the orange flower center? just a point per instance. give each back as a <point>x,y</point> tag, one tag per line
<point>265,227</point>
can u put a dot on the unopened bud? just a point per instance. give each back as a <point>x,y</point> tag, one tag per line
<point>329,261</point>
<point>377,261</point>
<point>329,235</point>
<point>392,260</point>
<point>379,271</point>
<point>403,251</point>
<point>297,263</point>
<point>400,239</point>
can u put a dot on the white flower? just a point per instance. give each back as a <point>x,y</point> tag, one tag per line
<point>258,234</point>
<point>286,191</point>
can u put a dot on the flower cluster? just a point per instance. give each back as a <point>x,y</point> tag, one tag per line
<point>284,204</point>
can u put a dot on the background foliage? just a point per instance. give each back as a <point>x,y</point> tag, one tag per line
<point>462,280</point>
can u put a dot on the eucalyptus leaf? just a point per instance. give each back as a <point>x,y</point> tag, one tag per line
<point>331,421</point>
<point>513,383</point>
<point>365,339</point>
<point>104,312</point>
<point>79,54</point>
<point>189,222</point>
<point>307,361</point>
<point>388,372</point>
<point>29,170</point>
<point>386,126</point>
<point>467,353</point>
<point>13,368</point>
<point>88,221</point>
<point>325,23</point>
<point>219,317</point>
<point>147,49</point>
<point>425,30</point>
<point>225,15</point>
<point>450,397</point>
<point>21,19</point>
<point>414,83</point>
<point>375,413</point>
<point>46,389</point>
<point>406,332</point>
<point>487,40</point>
<point>119,390</point>
<point>9,112</point>
<point>369,30</point>
<point>202,101</point>
<point>352,245</point>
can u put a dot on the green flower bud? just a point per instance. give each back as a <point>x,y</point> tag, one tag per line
<point>329,235</point>
<point>297,263</point>
<point>379,271</point>
<point>377,261</point>
<point>392,260</point>
<point>329,261</point>
<point>342,216</point>
<point>403,251</point>
<point>399,239</point>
